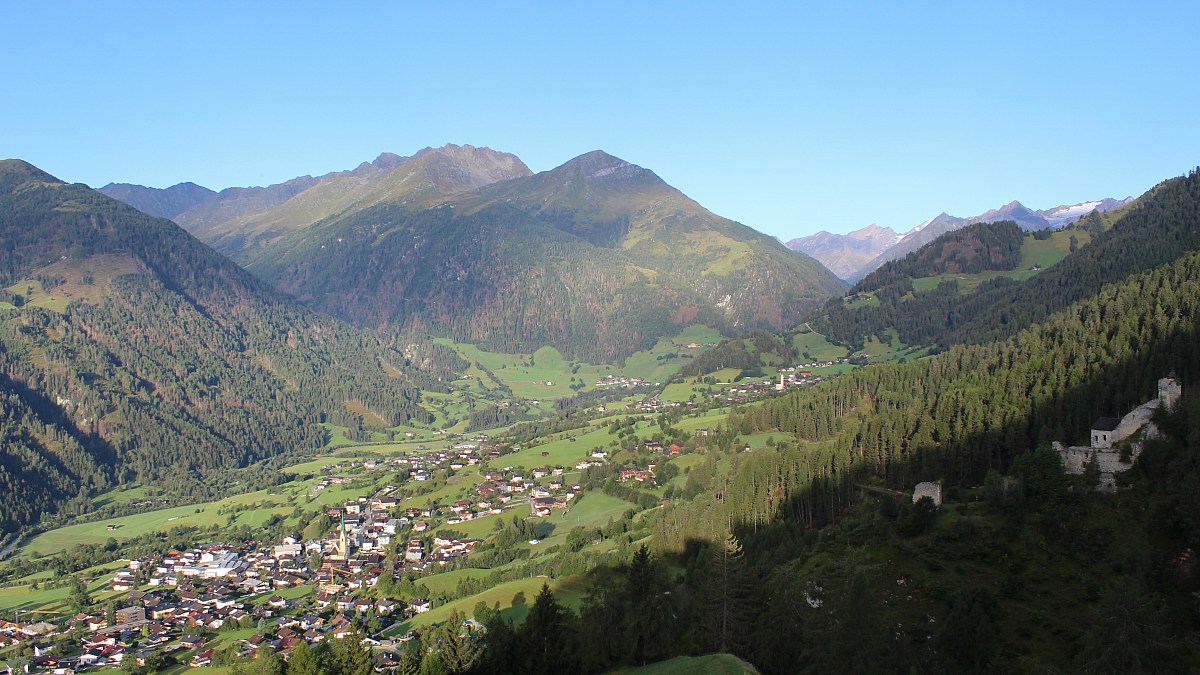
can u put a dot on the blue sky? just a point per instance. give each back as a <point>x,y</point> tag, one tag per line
<point>790,117</point>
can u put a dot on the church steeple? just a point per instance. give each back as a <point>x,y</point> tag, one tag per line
<point>343,546</point>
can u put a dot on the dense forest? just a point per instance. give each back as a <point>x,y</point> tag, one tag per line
<point>1159,227</point>
<point>973,249</point>
<point>169,365</point>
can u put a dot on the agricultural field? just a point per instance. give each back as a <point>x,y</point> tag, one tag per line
<point>816,347</point>
<point>52,601</point>
<point>448,581</point>
<point>568,591</point>
<point>37,296</point>
<point>251,508</point>
<point>564,450</point>
<point>892,351</point>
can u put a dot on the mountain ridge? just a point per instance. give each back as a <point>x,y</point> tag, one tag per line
<point>131,351</point>
<point>842,252</point>
<point>598,256</point>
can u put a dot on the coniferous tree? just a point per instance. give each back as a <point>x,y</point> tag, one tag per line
<point>545,636</point>
<point>348,656</point>
<point>727,596</point>
<point>302,660</point>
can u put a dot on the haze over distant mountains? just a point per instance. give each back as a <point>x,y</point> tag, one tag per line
<point>853,255</point>
<point>598,257</point>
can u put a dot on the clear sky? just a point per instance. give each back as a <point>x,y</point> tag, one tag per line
<point>789,117</point>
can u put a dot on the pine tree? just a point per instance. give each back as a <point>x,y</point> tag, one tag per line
<point>727,590</point>
<point>545,635</point>
<point>348,656</point>
<point>302,661</point>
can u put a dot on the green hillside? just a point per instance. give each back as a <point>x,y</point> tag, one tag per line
<point>928,298</point>
<point>598,258</point>
<point>131,351</point>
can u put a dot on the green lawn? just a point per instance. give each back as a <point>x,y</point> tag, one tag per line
<point>36,296</point>
<point>593,509</point>
<point>568,591</point>
<point>480,528</point>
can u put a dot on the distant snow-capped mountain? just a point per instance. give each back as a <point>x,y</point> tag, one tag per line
<point>853,255</point>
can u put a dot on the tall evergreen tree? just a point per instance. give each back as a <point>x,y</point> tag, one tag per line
<point>727,596</point>
<point>303,661</point>
<point>546,635</point>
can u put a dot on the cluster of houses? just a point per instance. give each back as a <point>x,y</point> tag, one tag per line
<point>444,551</point>
<point>621,382</point>
<point>505,488</point>
<point>174,620</point>
<point>423,465</point>
<point>218,585</point>
<point>656,405</point>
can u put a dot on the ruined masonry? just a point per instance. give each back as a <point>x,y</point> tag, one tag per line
<point>1108,432</point>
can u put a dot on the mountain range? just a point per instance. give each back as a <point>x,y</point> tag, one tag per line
<point>853,255</point>
<point>598,257</point>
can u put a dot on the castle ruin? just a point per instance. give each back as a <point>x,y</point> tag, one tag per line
<point>1108,432</point>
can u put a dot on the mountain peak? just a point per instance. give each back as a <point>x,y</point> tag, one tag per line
<point>388,160</point>
<point>599,164</point>
<point>17,171</point>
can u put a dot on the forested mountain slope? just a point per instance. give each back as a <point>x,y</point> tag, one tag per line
<point>598,258</point>
<point>876,587</point>
<point>1159,227</point>
<point>131,351</point>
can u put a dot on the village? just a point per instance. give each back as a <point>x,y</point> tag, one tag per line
<point>176,604</point>
<point>297,590</point>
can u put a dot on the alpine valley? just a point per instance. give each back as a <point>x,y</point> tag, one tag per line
<point>442,414</point>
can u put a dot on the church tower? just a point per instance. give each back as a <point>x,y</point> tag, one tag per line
<point>343,545</point>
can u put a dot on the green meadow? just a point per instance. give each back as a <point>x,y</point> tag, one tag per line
<point>1036,255</point>
<point>568,591</point>
<point>257,507</point>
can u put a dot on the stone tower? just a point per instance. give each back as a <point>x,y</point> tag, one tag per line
<point>1168,392</point>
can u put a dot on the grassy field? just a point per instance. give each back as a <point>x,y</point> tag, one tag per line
<point>480,528</point>
<point>448,581</point>
<point>456,487</point>
<point>853,302</point>
<point>53,600</point>
<point>568,591</point>
<point>1034,253</point>
<point>280,500</point>
<point>594,509</point>
<point>36,296</point>
<point>559,452</point>
<point>817,347</point>
<point>892,351</point>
